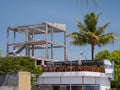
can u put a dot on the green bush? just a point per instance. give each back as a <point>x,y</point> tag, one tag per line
<point>14,64</point>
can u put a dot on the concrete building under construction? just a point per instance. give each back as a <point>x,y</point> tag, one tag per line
<point>57,74</point>
<point>31,38</point>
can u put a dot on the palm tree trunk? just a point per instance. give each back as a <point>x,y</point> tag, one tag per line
<point>92,47</point>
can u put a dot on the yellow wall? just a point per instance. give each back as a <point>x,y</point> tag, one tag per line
<point>24,80</point>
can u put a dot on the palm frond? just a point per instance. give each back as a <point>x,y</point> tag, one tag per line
<point>90,37</point>
<point>101,29</point>
<point>80,25</point>
<point>90,21</point>
<point>88,34</point>
<point>73,35</point>
<point>108,38</point>
<point>98,16</point>
<point>79,41</point>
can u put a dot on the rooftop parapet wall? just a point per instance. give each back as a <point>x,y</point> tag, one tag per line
<point>73,68</point>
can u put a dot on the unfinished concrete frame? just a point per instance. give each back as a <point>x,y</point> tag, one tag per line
<point>30,44</point>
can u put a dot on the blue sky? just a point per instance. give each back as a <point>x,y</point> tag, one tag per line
<point>26,12</point>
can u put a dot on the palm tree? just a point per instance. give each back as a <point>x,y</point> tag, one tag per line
<point>90,33</point>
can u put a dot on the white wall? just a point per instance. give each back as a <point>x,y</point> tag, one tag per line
<point>105,84</point>
<point>75,78</point>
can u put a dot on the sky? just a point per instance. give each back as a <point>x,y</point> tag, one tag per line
<point>26,12</point>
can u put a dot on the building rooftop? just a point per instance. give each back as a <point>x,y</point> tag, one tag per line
<point>40,28</point>
<point>83,65</point>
